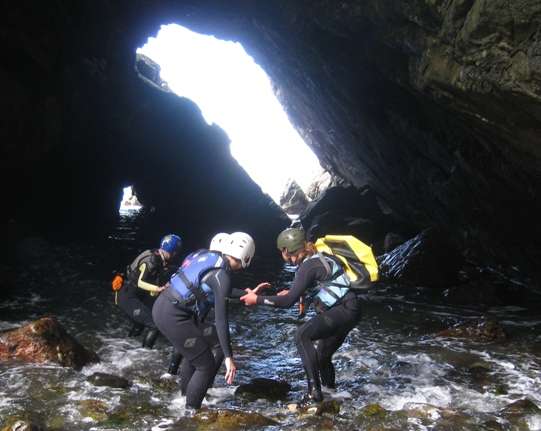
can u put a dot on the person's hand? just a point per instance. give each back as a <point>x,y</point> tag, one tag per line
<point>264,285</point>
<point>230,370</point>
<point>283,292</point>
<point>250,298</point>
<point>161,289</point>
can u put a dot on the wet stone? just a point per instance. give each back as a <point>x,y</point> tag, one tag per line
<point>375,417</point>
<point>94,409</point>
<point>45,340</point>
<point>20,424</point>
<point>520,408</point>
<point>103,379</point>
<point>483,330</point>
<point>226,420</point>
<point>258,388</point>
<point>326,407</point>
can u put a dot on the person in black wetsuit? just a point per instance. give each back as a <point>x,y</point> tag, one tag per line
<point>145,279</point>
<point>320,280</point>
<point>202,284</point>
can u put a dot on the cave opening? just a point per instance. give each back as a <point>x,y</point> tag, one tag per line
<point>129,204</point>
<point>235,93</point>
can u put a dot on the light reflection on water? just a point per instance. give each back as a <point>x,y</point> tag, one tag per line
<point>391,358</point>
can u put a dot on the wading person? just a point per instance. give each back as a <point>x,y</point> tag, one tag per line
<point>181,313</point>
<point>320,280</point>
<point>145,279</point>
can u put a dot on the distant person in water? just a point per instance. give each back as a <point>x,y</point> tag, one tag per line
<point>181,312</point>
<point>145,280</point>
<point>318,277</point>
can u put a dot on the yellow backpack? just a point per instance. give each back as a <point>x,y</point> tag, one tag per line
<point>354,255</point>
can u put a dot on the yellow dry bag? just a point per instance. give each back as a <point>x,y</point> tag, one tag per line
<point>355,256</point>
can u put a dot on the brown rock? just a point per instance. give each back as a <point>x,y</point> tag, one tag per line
<point>44,340</point>
<point>477,330</point>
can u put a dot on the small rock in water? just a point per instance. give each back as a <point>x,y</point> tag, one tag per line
<point>263,388</point>
<point>45,340</point>
<point>483,330</point>
<point>330,407</point>
<point>18,424</point>
<point>229,420</point>
<point>103,379</point>
<point>95,409</point>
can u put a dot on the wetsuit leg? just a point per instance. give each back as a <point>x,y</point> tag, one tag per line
<point>335,322</point>
<point>188,339</point>
<point>211,337</point>
<point>325,349</point>
<point>136,311</point>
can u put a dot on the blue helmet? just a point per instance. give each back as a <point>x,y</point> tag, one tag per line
<point>171,243</point>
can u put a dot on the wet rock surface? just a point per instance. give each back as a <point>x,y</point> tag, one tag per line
<point>269,389</point>
<point>44,340</point>
<point>20,424</point>
<point>226,420</point>
<point>430,260</point>
<point>103,379</point>
<point>483,330</point>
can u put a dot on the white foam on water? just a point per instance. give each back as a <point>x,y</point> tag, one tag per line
<point>534,422</point>
<point>434,395</point>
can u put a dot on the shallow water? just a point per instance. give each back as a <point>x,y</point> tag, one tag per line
<point>391,358</point>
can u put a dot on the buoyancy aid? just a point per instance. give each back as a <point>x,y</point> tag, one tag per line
<point>335,286</point>
<point>188,283</point>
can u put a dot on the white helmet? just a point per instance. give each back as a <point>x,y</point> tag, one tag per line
<point>241,246</point>
<point>218,241</point>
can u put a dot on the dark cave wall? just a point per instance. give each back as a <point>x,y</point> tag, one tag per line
<point>433,104</point>
<point>95,127</point>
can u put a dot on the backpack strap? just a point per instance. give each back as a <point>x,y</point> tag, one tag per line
<point>324,285</point>
<point>197,292</point>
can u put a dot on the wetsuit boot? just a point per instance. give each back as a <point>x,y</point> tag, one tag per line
<point>314,394</point>
<point>174,363</point>
<point>136,330</point>
<point>150,338</point>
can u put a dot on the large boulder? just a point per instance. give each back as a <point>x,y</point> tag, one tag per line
<point>45,340</point>
<point>430,260</point>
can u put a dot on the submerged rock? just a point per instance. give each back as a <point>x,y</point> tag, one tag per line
<point>103,379</point>
<point>520,412</point>
<point>375,417</point>
<point>19,424</point>
<point>229,420</point>
<point>429,260</point>
<point>329,407</point>
<point>483,330</point>
<point>263,388</point>
<point>95,409</point>
<point>44,340</point>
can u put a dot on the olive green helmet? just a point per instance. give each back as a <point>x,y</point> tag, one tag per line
<point>292,239</point>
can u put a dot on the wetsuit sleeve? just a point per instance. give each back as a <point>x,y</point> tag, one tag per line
<point>237,293</point>
<point>309,273</point>
<point>144,270</point>
<point>220,283</point>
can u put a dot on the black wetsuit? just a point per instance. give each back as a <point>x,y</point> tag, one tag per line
<point>136,302</point>
<point>202,343</point>
<point>321,336</point>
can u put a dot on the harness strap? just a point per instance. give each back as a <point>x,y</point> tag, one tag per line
<point>197,292</point>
